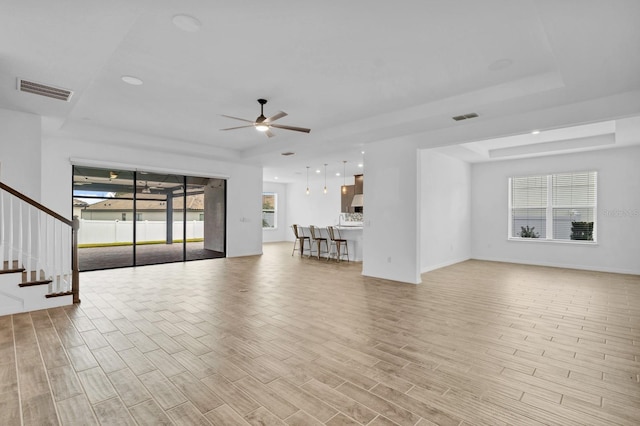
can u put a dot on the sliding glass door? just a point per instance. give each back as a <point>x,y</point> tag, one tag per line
<point>159,230</point>
<point>141,218</point>
<point>103,202</point>
<point>205,225</point>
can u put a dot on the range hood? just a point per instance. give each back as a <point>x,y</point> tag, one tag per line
<point>358,200</point>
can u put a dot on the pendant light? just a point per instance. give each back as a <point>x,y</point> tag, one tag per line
<point>344,177</point>
<point>325,178</point>
<point>307,180</point>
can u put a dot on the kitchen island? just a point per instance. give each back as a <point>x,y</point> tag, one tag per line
<point>353,235</point>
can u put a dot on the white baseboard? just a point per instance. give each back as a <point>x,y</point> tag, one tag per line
<point>443,264</point>
<point>563,265</point>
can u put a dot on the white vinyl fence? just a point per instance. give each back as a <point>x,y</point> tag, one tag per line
<point>116,231</point>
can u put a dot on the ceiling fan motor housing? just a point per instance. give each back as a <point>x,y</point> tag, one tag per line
<point>261,118</point>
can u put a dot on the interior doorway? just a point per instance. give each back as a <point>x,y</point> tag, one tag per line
<point>134,218</point>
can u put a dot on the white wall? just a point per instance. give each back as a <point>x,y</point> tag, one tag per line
<point>280,232</point>
<point>20,139</point>
<point>391,233</point>
<point>317,208</point>
<point>618,247</point>
<point>244,187</point>
<point>445,212</point>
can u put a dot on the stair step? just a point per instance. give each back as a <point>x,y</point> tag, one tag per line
<point>32,283</point>
<point>11,271</point>
<point>64,293</point>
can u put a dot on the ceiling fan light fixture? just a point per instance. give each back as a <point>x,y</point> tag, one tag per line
<point>264,124</point>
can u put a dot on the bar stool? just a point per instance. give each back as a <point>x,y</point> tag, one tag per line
<point>316,237</point>
<point>300,238</point>
<point>337,243</point>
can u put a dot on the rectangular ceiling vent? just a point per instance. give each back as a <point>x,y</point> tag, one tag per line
<point>286,154</point>
<point>44,90</point>
<point>465,116</point>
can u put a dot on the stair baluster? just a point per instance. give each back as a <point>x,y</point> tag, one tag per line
<point>39,248</point>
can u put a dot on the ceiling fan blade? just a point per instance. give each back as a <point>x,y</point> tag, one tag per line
<point>269,134</point>
<point>275,117</point>
<point>297,129</point>
<point>239,127</point>
<point>236,118</point>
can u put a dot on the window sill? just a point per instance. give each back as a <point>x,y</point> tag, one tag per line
<point>270,229</point>
<point>544,240</point>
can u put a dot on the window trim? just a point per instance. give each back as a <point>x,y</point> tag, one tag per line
<point>549,212</point>
<point>275,211</point>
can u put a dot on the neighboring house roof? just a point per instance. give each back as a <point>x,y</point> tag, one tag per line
<point>79,203</point>
<point>194,203</point>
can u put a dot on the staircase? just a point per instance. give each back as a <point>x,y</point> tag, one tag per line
<point>38,255</point>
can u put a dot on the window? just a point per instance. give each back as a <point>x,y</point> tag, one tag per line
<point>553,207</point>
<point>269,210</point>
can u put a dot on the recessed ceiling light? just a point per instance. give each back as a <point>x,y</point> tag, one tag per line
<point>317,170</point>
<point>338,174</point>
<point>362,152</point>
<point>129,79</point>
<point>276,177</point>
<point>360,165</point>
<point>535,132</point>
<point>186,23</point>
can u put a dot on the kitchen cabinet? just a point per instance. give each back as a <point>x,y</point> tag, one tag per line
<point>359,186</point>
<point>347,198</point>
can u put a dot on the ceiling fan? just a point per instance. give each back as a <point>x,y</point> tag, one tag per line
<point>264,124</point>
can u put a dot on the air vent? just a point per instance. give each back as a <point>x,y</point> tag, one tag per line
<point>286,154</point>
<point>465,116</point>
<point>44,90</point>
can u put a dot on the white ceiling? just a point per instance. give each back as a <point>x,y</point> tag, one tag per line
<point>354,72</point>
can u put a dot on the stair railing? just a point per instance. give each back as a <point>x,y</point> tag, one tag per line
<point>39,240</point>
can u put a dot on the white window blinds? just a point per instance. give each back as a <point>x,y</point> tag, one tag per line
<point>574,203</point>
<point>557,207</point>
<point>528,206</point>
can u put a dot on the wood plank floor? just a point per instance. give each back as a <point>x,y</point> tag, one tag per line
<point>276,340</point>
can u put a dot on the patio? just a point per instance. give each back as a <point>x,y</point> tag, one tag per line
<point>95,258</point>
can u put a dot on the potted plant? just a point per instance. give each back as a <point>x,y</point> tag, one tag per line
<point>526,232</point>
<point>582,231</point>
